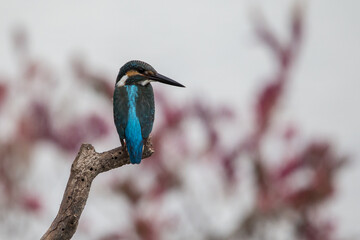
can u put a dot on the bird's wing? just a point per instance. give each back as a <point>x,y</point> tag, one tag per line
<point>145,109</point>
<point>121,107</point>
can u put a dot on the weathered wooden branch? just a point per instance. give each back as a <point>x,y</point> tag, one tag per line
<point>86,166</point>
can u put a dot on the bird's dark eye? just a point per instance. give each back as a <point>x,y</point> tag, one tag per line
<point>141,70</point>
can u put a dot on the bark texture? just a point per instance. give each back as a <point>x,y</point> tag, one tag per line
<point>86,166</point>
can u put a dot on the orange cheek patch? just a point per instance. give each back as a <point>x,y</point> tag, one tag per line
<point>150,73</point>
<point>132,73</point>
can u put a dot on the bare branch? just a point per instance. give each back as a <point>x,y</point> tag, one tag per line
<point>87,165</point>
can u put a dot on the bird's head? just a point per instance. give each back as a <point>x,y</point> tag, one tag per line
<point>138,72</point>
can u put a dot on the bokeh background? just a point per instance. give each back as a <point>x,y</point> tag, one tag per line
<point>262,144</point>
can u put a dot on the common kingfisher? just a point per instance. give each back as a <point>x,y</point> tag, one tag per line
<point>134,107</point>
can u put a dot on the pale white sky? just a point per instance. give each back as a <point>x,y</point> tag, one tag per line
<point>209,46</point>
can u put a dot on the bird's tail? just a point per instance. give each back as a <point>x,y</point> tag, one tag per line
<point>134,141</point>
<point>135,151</point>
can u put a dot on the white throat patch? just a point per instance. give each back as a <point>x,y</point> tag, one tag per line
<point>145,82</point>
<point>122,81</point>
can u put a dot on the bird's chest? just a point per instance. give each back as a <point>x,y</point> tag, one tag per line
<point>134,107</point>
<point>132,96</point>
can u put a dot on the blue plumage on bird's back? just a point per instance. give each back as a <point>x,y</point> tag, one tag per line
<point>133,137</point>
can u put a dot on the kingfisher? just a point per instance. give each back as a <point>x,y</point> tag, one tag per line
<point>133,105</point>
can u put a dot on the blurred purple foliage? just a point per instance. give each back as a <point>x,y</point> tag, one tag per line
<point>3,91</point>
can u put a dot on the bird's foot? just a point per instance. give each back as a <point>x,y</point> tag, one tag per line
<point>123,144</point>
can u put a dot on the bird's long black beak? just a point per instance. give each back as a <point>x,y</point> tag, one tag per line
<point>161,78</point>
